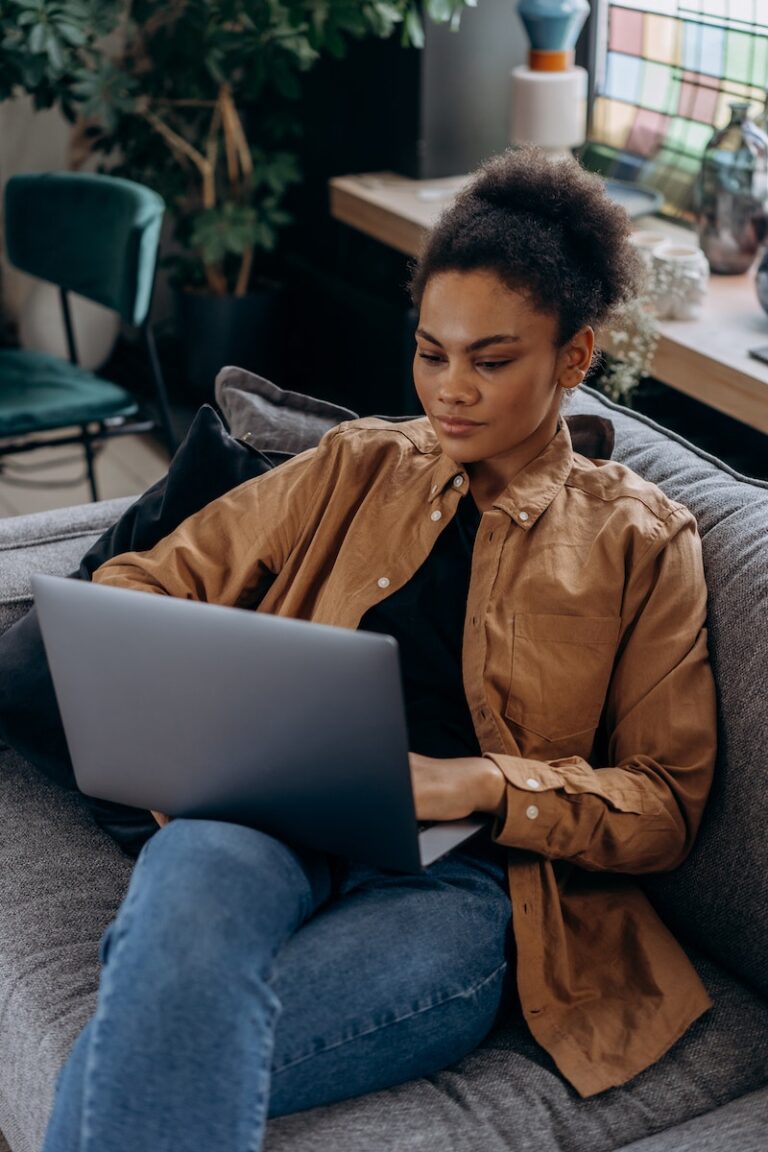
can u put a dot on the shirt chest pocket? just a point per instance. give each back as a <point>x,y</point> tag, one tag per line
<point>561,669</point>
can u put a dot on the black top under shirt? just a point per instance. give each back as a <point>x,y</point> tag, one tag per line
<point>426,617</point>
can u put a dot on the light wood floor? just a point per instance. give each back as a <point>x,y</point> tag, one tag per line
<point>125,466</point>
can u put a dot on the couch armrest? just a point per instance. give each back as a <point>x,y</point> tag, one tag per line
<point>51,542</point>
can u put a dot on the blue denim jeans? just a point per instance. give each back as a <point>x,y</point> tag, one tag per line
<point>243,979</point>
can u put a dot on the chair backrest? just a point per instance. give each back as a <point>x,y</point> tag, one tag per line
<point>94,235</point>
<point>718,898</point>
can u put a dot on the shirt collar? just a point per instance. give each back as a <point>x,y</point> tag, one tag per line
<point>531,492</point>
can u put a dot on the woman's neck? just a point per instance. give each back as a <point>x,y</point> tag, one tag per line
<point>489,478</point>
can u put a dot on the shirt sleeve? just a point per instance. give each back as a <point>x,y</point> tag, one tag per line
<point>642,812</point>
<point>228,551</point>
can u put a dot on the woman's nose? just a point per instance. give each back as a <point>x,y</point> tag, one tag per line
<point>455,387</point>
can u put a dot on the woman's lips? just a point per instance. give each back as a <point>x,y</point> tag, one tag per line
<point>457,427</point>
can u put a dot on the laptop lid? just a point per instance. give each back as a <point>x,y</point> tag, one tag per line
<point>196,709</point>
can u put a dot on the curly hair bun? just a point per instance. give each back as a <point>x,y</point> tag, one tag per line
<point>547,228</point>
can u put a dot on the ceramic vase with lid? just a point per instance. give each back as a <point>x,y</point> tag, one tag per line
<point>553,25</point>
<point>549,94</point>
<point>731,193</point>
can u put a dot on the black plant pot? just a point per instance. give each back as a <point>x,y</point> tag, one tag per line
<point>219,330</point>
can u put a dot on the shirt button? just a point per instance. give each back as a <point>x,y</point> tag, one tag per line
<point>458,481</point>
<point>436,516</point>
<point>383,582</point>
<point>532,783</point>
<point>532,812</point>
<point>523,515</point>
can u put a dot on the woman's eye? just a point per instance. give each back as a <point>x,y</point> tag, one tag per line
<point>429,358</point>
<point>492,363</point>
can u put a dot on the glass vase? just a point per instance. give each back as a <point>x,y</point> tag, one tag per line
<point>731,193</point>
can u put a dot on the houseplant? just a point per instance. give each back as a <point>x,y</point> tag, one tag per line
<point>46,44</point>
<point>198,103</point>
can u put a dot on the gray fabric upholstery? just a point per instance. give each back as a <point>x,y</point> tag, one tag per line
<point>718,898</point>
<point>740,1127</point>
<point>62,879</point>
<point>506,1097</point>
<point>52,542</point>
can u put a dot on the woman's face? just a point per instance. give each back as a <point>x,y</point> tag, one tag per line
<point>484,355</point>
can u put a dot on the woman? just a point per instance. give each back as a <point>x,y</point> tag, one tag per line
<point>550,611</point>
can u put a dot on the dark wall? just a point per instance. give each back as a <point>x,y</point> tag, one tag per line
<point>345,293</point>
<point>426,113</point>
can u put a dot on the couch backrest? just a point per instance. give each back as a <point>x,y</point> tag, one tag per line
<point>719,897</point>
<point>50,542</point>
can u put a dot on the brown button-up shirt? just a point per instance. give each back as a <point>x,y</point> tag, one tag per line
<point>586,672</point>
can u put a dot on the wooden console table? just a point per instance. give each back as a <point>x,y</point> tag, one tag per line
<point>706,358</point>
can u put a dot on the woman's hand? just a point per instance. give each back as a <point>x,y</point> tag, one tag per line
<point>453,789</point>
<point>161,818</point>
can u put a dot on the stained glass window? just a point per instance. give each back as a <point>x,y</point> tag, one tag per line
<point>666,71</point>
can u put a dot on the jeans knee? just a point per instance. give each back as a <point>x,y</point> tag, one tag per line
<point>187,841</point>
<point>210,888</point>
<point>203,859</point>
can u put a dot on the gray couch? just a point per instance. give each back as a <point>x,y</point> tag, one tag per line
<point>62,879</point>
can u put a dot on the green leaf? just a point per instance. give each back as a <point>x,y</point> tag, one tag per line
<point>55,53</point>
<point>334,42</point>
<point>71,33</point>
<point>37,38</point>
<point>413,29</point>
<point>439,10</point>
<point>279,217</point>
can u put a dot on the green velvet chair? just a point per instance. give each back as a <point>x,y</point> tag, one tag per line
<point>97,236</point>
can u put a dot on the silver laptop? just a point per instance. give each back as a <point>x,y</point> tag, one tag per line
<point>200,710</point>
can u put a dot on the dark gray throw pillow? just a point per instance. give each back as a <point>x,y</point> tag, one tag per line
<point>269,417</point>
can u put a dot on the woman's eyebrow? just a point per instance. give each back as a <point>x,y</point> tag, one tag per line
<point>499,338</point>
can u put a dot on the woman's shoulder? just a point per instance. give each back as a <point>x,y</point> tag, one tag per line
<point>614,483</point>
<point>386,433</point>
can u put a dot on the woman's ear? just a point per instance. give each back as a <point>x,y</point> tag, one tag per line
<point>576,358</point>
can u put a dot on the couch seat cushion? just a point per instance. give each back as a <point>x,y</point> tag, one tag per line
<point>61,882</point>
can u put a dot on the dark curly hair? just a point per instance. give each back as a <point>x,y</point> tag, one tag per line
<point>547,228</point>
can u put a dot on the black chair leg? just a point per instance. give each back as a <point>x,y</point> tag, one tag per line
<point>162,394</point>
<point>89,458</point>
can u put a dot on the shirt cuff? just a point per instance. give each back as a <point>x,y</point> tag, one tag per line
<point>533,807</point>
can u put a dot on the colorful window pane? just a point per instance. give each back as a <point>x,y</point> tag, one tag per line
<point>626,33</point>
<point>667,73</point>
<point>661,39</point>
<point>623,78</point>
